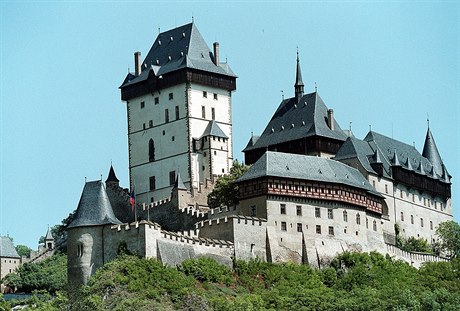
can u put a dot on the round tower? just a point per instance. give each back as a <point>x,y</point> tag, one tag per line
<point>85,234</point>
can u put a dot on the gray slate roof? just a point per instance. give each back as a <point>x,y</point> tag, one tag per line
<point>49,236</point>
<point>175,49</point>
<point>94,207</point>
<point>179,184</point>
<point>391,152</point>
<point>295,120</point>
<point>287,165</point>
<point>7,248</point>
<point>430,151</point>
<point>213,129</point>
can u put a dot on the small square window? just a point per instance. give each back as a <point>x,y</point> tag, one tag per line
<point>171,96</point>
<point>318,229</point>
<point>331,230</point>
<point>282,209</point>
<point>151,200</point>
<point>205,94</point>
<point>151,123</point>
<point>283,226</point>
<point>142,105</point>
<point>157,100</point>
<point>299,227</point>
<point>215,96</point>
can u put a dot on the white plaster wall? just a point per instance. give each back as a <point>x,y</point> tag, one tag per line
<point>8,265</point>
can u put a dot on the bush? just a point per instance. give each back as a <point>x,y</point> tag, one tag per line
<point>206,270</point>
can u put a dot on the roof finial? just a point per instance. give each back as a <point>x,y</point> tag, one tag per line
<point>193,19</point>
<point>316,87</point>
<point>370,128</point>
<point>428,120</point>
<point>350,127</point>
<point>298,86</point>
<point>159,31</point>
<point>282,94</point>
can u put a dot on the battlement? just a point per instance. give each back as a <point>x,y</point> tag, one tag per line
<point>192,211</point>
<point>136,224</point>
<point>254,221</point>
<point>156,204</point>
<point>175,236</point>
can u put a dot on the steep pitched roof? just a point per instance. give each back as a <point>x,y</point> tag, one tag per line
<point>112,177</point>
<point>175,49</point>
<point>295,120</point>
<point>48,235</point>
<point>287,165</point>
<point>7,248</point>
<point>213,129</point>
<point>178,183</point>
<point>407,155</point>
<point>430,151</point>
<point>94,207</point>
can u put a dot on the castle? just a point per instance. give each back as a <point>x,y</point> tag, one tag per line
<point>313,190</point>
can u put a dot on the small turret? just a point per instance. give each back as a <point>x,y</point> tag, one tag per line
<point>112,178</point>
<point>49,240</point>
<point>430,151</point>
<point>298,86</point>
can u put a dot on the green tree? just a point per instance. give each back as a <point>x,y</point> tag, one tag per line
<point>449,233</point>
<point>23,250</point>
<point>225,192</point>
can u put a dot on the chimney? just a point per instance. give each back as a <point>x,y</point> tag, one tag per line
<point>330,118</point>
<point>137,63</point>
<point>216,53</point>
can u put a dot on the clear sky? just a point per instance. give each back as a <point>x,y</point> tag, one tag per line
<point>387,65</point>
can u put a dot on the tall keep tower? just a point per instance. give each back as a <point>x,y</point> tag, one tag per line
<point>179,104</point>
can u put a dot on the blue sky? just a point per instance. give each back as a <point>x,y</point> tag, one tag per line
<point>382,64</point>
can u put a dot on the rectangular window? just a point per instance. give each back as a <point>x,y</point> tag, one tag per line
<point>402,216</point>
<point>151,123</point>
<point>152,183</point>
<point>318,229</point>
<point>203,112</point>
<point>205,94</point>
<point>213,113</point>
<point>421,222</point>
<point>299,210</point>
<point>330,214</point>
<point>317,212</point>
<point>345,216</point>
<point>172,177</point>
<point>283,226</point>
<point>412,219</point>
<point>142,105</point>
<point>177,112</point>
<point>253,211</point>
<point>166,116</point>
<point>299,227</point>
<point>386,188</point>
<point>157,100</point>
<point>431,225</point>
<point>215,96</point>
<point>171,96</point>
<point>282,209</point>
<point>331,230</point>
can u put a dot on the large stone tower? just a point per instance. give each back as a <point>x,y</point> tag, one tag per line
<point>179,105</point>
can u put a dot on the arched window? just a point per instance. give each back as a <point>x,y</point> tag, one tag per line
<point>345,216</point>
<point>151,150</point>
<point>358,219</point>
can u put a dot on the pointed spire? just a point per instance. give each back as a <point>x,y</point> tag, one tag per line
<point>396,159</point>
<point>377,156</point>
<point>48,235</point>
<point>409,165</point>
<point>420,167</point>
<point>298,86</point>
<point>430,151</point>
<point>179,184</point>
<point>112,177</point>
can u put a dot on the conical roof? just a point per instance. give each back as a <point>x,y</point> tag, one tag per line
<point>179,184</point>
<point>298,75</point>
<point>94,207</point>
<point>112,177</point>
<point>430,151</point>
<point>48,236</point>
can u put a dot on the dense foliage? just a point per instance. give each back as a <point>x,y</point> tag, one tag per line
<point>352,282</point>
<point>225,192</point>
<point>449,233</point>
<point>49,275</point>
<point>23,250</point>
